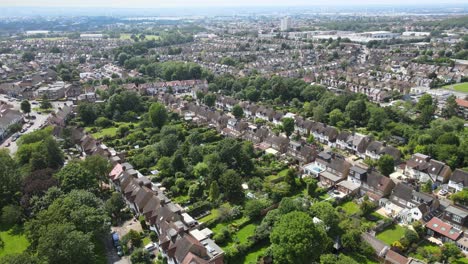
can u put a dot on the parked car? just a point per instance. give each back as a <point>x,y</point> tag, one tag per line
<point>443,192</point>
<point>115,239</point>
<point>150,247</point>
<point>119,251</point>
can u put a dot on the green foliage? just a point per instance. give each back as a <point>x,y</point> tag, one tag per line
<point>25,106</point>
<point>214,191</point>
<point>62,243</point>
<point>254,207</point>
<point>295,239</point>
<point>23,258</point>
<point>11,215</point>
<point>45,103</point>
<point>158,114</point>
<point>460,197</point>
<point>386,164</point>
<point>9,178</point>
<point>230,184</point>
<point>140,256</point>
<point>333,259</point>
<point>288,125</point>
<point>237,111</point>
<point>75,176</point>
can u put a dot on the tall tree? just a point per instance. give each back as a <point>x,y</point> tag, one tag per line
<point>209,99</point>
<point>98,166</point>
<point>45,103</point>
<point>288,126</point>
<point>74,176</point>
<point>231,185</point>
<point>9,178</point>
<point>237,111</point>
<point>158,114</point>
<point>62,243</point>
<point>295,239</point>
<point>26,107</point>
<point>451,107</point>
<point>386,164</point>
<point>214,191</point>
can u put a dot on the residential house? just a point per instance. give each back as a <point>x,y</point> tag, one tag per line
<point>462,107</point>
<point>407,205</point>
<point>456,216</point>
<point>458,181</point>
<point>422,168</point>
<point>8,117</point>
<point>443,231</point>
<point>376,186</point>
<point>336,170</point>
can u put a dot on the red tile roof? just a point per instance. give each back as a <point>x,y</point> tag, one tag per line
<point>443,228</point>
<point>395,258</point>
<point>462,103</point>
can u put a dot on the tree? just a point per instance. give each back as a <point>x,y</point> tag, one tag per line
<point>74,176</point>
<point>28,56</point>
<point>134,237</point>
<point>140,256</point>
<point>10,178</point>
<point>460,197</point>
<point>325,212</point>
<point>288,126</point>
<point>45,103</point>
<point>87,112</point>
<point>335,117</point>
<point>319,114</point>
<point>254,207</point>
<point>357,112</point>
<point>209,99</point>
<point>26,107</point>
<point>351,239</point>
<point>62,243</point>
<point>115,204</point>
<point>366,206</point>
<point>98,166</point>
<point>295,239</point>
<point>386,164</point>
<point>237,111</point>
<point>427,187</point>
<point>11,215</point>
<point>230,184</point>
<point>451,107</point>
<point>451,252</point>
<point>311,187</point>
<point>214,191</point>
<point>22,258</point>
<point>333,259</point>
<point>158,114</point>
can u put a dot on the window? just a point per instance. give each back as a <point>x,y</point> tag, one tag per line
<point>456,218</point>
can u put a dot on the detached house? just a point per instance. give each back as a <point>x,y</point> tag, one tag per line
<point>407,205</point>
<point>422,168</point>
<point>372,184</point>
<point>336,170</point>
<point>458,181</point>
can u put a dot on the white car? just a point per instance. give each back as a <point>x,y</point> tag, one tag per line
<point>150,247</point>
<point>443,192</point>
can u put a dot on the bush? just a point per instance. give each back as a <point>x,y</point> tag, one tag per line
<point>222,236</point>
<point>103,122</point>
<point>11,215</point>
<point>153,236</point>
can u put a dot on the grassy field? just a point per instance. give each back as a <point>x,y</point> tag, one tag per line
<point>245,232</point>
<point>391,234</point>
<point>109,131</point>
<point>350,208</point>
<point>14,239</point>
<point>148,37</point>
<point>460,87</point>
<point>254,253</point>
<point>213,215</point>
<point>362,259</point>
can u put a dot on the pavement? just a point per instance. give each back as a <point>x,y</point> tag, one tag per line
<point>40,120</point>
<point>111,253</point>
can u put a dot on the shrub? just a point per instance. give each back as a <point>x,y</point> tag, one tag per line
<point>103,122</point>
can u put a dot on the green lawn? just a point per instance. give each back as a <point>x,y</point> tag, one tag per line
<point>146,240</point>
<point>430,248</point>
<point>14,239</point>
<point>245,232</point>
<point>47,38</point>
<point>350,207</point>
<point>109,131</point>
<point>391,234</point>
<point>362,259</point>
<point>213,215</point>
<point>460,87</point>
<point>254,253</point>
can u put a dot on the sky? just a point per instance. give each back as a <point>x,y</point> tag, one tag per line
<point>213,3</point>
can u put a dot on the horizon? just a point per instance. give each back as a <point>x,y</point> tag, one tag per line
<point>138,4</point>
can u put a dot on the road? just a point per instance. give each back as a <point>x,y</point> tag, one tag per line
<point>40,120</point>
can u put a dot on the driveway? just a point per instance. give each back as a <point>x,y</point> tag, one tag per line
<point>111,253</point>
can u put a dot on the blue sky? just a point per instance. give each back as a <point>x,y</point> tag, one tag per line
<point>214,3</point>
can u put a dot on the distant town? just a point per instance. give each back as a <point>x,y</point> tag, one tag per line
<point>311,135</point>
